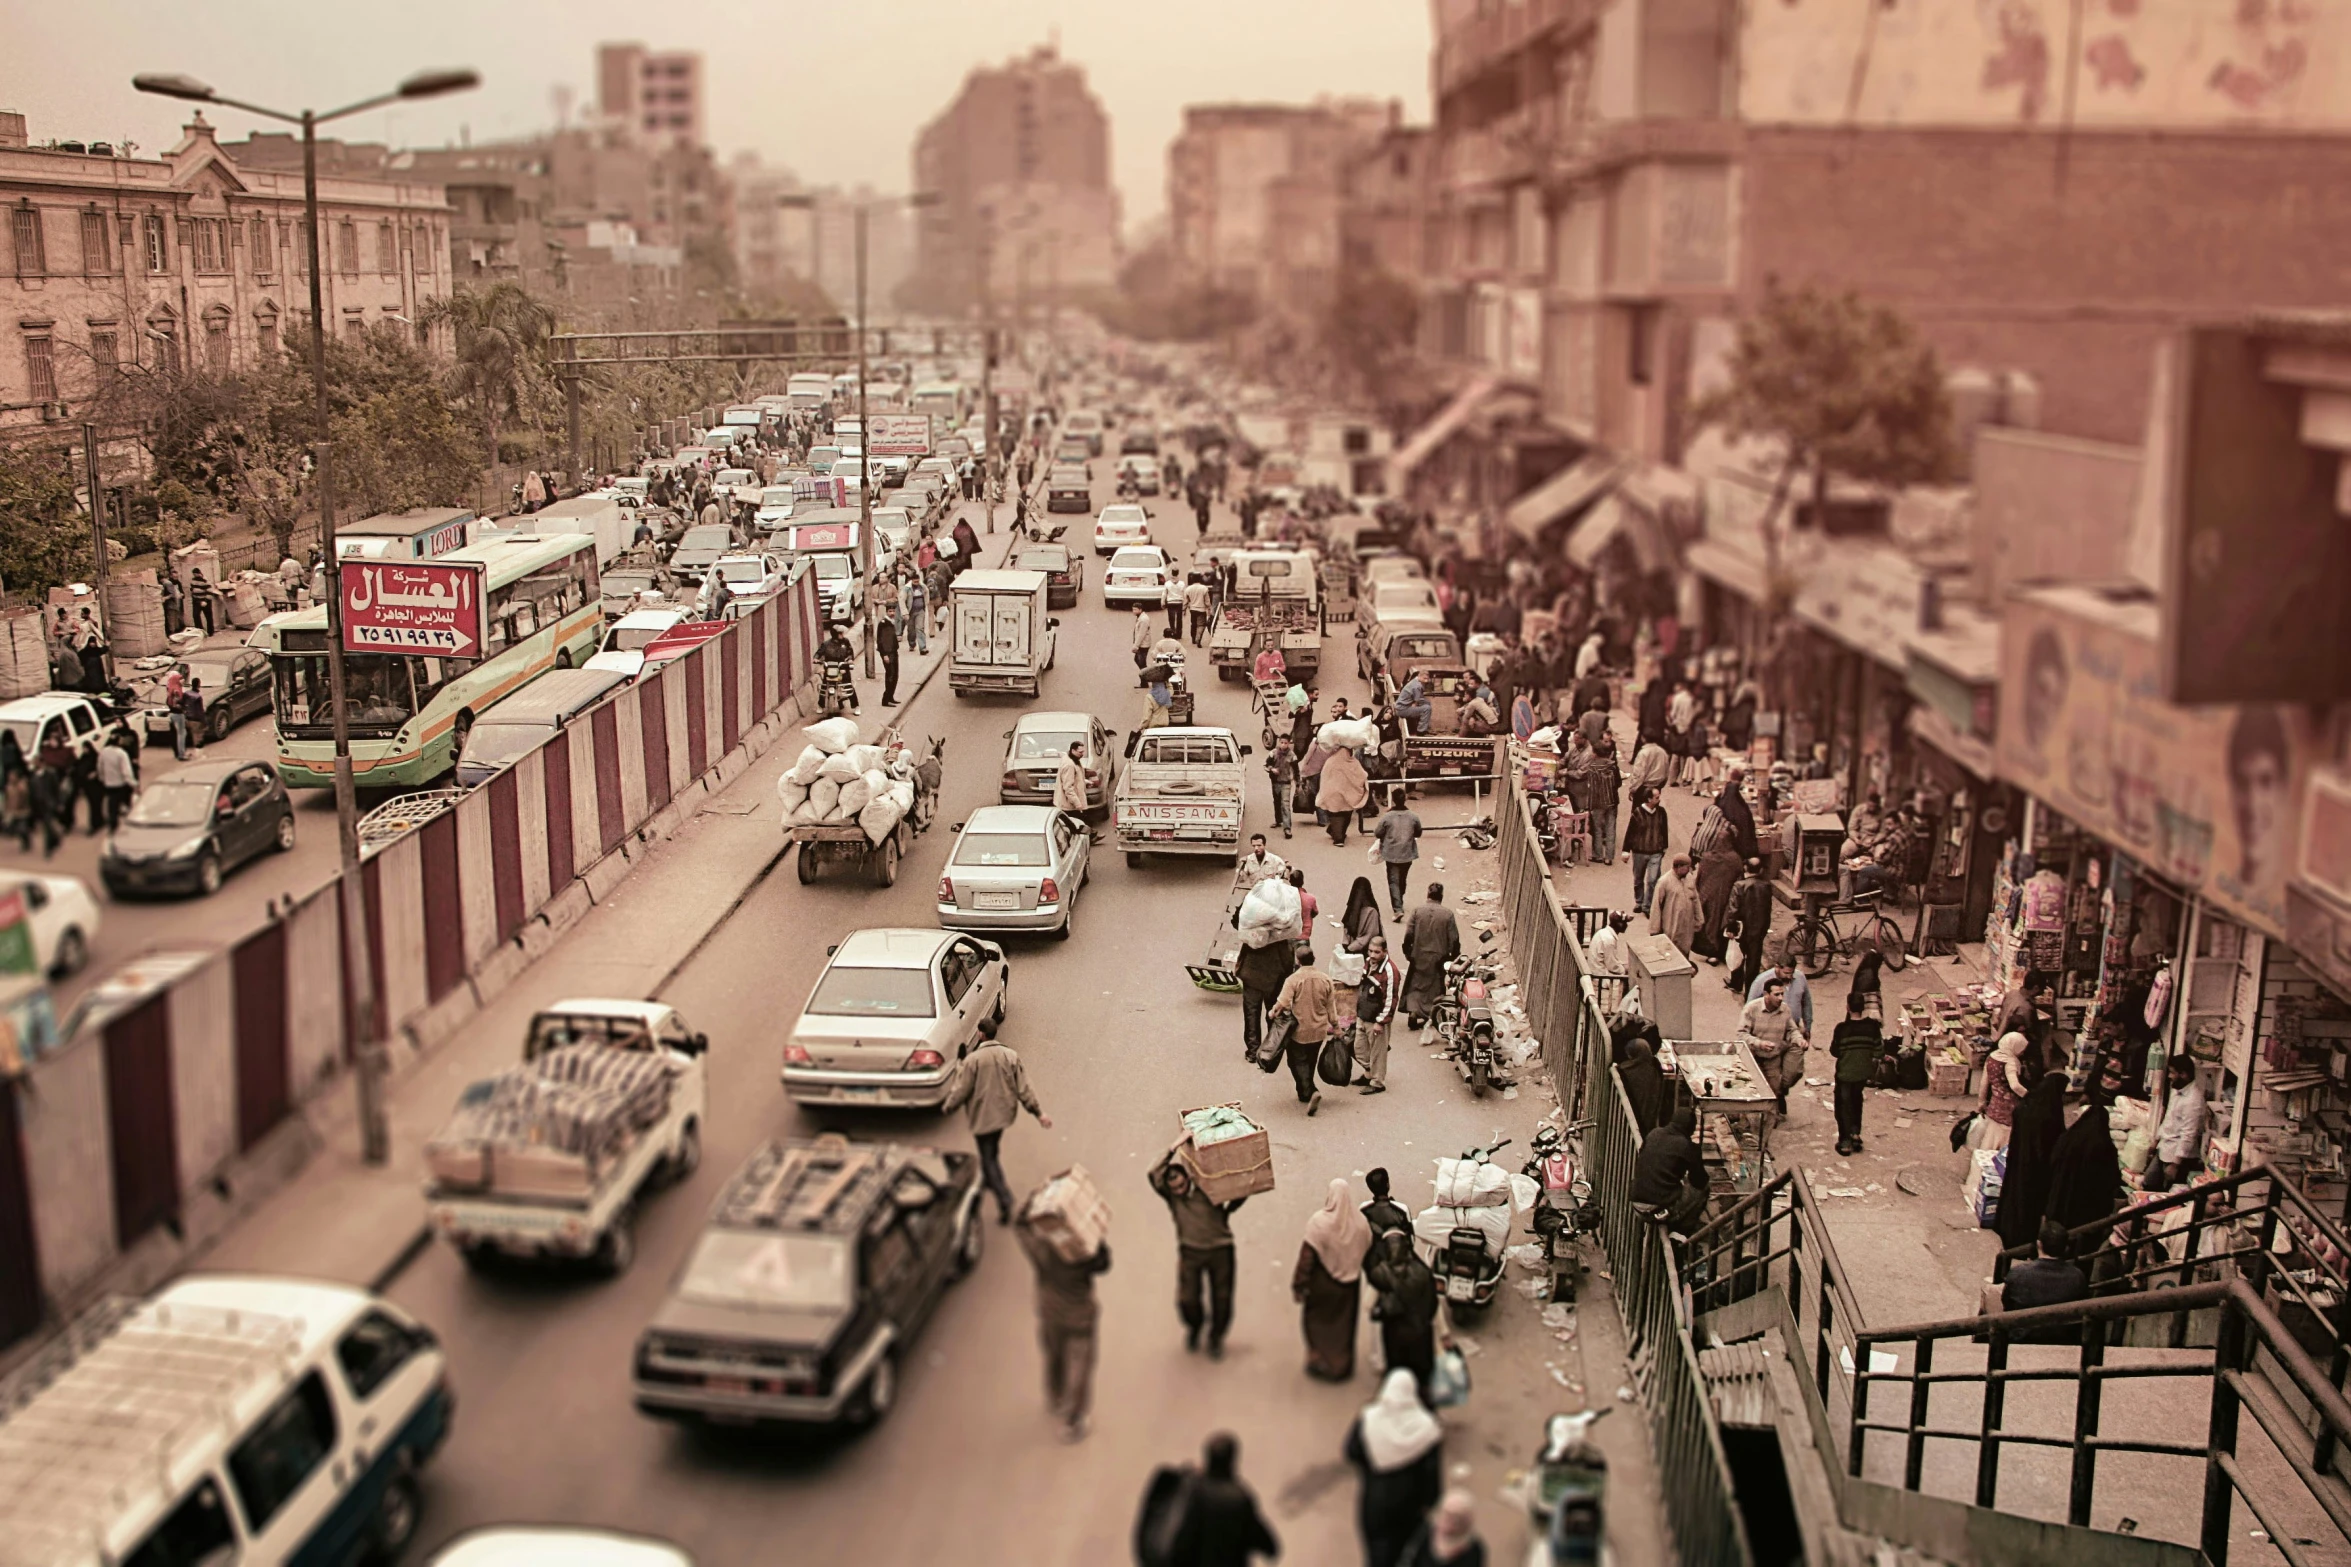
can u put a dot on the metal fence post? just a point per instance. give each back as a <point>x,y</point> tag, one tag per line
<point>1987,1462</point>
<point>1922,1361</point>
<point>2228,1357</point>
<point>2087,1394</point>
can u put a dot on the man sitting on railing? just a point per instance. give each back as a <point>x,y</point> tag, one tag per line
<point>1669,1174</point>
<point>2050,1279</point>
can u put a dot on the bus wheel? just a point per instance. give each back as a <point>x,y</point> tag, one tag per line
<point>563,658</point>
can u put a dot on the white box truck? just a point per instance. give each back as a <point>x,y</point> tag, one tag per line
<point>601,517</point>
<point>1003,637</point>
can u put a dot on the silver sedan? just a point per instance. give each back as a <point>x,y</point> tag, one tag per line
<point>1015,868</point>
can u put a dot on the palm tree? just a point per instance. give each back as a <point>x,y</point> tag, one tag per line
<point>501,331</point>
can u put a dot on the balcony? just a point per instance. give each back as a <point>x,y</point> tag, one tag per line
<point>1508,27</point>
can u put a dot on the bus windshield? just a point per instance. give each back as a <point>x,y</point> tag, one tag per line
<point>385,690</point>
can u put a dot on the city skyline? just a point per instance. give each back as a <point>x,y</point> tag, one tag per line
<point>827,130</point>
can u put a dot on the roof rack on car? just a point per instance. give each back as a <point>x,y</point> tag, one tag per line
<point>804,1186</point>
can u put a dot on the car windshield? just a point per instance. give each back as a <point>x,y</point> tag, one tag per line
<point>1036,745</point>
<point>1422,647</point>
<point>172,802</point>
<point>1122,514</point>
<point>1136,560</point>
<point>627,584</point>
<point>495,745</point>
<point>555,1030</point>
<point>623,639</point>
<point>832,568</point>
<point>1042,560</point>
<point>743,570</point>
<point>211,674</point>
<point>1002,848</point>
<point>873,992</point>
<point>776,495</point>
<point>764,1268</point>
<point>717,536</point>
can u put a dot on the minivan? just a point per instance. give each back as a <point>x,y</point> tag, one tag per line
<point>512,729</point>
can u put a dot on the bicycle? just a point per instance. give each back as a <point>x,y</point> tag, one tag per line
<point>1821,937</point>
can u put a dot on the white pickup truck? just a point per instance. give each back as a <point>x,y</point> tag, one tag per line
<point>549,1158</point>
<point>1181,793</point>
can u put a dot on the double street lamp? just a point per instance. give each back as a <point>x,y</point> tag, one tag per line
<point>358,957</point>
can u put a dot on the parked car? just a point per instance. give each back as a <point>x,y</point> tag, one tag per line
<point>1121,522</point>
<point>1065,575</point>
<point>61,917</point>
<point>819,1265</point>
<point>32,719</point>
<point>1137,574</point>
<point>889,1016</point>
<point>188,829</point>
<point>509,730</point>
<point>1068,489</point>
<point>1014,868</point>
<point>234,683</point>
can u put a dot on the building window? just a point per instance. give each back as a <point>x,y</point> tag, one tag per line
<point>1641,345</point>
<point>209,238</point>
<point>265,337</point>
<point>216,343</point>
<point>387,250</point>
<point>347,247</point>
<point>167,347</point>
<point>32,250</point>
<point>265,255</point>
<point>355,327</point>
<point>97,254</point>
<point>40,363</point>
<point>104,365</point>
<point>158,243</point>
<point>420,250</point>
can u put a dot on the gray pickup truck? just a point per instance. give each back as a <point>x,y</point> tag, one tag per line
<point>1181,793</point>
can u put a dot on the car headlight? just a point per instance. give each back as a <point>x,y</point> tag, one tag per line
<point>188,850</point>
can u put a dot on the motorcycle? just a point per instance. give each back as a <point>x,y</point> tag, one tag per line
<point>1465,1020</point>
<point>1469,1267</point>
<point>1565,1491</point>
<point>836,691</point>
<point>1565,1209</point>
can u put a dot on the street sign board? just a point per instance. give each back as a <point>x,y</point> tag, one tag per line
<point>423,607</point>
<point>900,435</point>
<point>817,537</point>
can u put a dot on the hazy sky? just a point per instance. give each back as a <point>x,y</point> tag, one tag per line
<point>834,90</point>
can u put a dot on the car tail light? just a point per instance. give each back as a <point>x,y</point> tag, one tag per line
<point>946,890</point>
<point>1093,775</point>
<point>797,1055</point>
<point>924,1061</point>
<point>1048,891</point>
<point>1016,780</point>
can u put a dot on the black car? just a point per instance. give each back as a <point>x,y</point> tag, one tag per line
<point>190,828</point>
<point>234,683</point>
<point>1068,489</point>
<point>819,1265</point>
<point>1064,576</point>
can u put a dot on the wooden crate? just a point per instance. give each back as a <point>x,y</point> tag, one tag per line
<point>1946,1076</point>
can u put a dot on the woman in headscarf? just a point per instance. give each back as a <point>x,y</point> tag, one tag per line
<point>2085,1173</point>
<point>1328,1283</point>
<point>1868,981</point>
<point>2004,1090</point>
<point>1362,917</point>
<point>1342,791</point>
<point>1718,873</point>
<point>2024,1194</point>
<point>1406,1305</point>
<point>1645,1087</point>
<point>1397,1448</point>
<point>1450,1537</point>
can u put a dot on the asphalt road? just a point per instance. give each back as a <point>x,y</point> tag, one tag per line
<point>1117,1040</point>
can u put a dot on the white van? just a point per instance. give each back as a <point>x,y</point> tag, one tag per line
<point>254,1420</point>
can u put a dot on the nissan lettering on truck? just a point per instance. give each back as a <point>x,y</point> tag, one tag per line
<point>1181,793</point>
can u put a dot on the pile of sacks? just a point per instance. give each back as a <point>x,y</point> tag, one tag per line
<point>1271,912</point>
<point>837,780</point>
<point>1470,1192</point>
<point>1348,734</point>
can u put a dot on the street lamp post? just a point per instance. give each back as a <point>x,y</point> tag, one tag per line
<point>358,955</point>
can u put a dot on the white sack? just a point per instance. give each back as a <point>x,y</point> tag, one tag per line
<point>902,794</point>
<point>865,758</point>
<point>794,795</point>
<point>854,794</point>
<point>838,768</point>
<point>1348,734</point>
<point>832,735</point>
<point>824,796</point>
<point>1435,1226</point>
<point>1271,913</point>
<point>880,815</point>
<point>1471,1183</point>
<point>806,813</point>
<point>877,783</point>
<point>804,770</point>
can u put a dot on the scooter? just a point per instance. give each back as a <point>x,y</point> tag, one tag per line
<point>1565,1492</point>
<point>1565,1209</point>
<point>836,692</point>
<point>1465,1020</point>
<point>1469,1269</point>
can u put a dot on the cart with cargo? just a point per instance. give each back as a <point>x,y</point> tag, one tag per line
<point>844,845</point>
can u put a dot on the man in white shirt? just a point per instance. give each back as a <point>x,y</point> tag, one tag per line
<point>1607,945</point>
<point>2179,1144</point>
<point>1258,864</point>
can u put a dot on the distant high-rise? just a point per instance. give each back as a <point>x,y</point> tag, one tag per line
<point>656,97</point>
<point>1020,162</point>
<point>1254,193</point>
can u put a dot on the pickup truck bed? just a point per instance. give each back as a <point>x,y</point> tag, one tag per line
<point>1240,622</point>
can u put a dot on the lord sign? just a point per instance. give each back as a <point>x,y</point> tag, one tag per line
<point>424,607</point>
<point>900,435</point>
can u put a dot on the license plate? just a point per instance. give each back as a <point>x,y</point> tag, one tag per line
<point>860,1093</point>
<point>995,900</point>
<point>1459,1289</point>
<point>732,1385</point>
<point>1195,832</point>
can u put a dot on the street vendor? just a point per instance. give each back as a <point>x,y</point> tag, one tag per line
<point>1769,1030</point>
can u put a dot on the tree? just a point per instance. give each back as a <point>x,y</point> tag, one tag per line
<point>502,338</point>
<point>44,534</point>
<point>1841,387</point>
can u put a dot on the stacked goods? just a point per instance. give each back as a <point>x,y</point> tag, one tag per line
<point>134,615</point>
<point>189,558</point>
<point>1470,1192</point>
<point>24,655</point>
<point>863,784</point>
<point>1069,1214</point>
<point>1271,912</point>
<point>243,601</point>
<point>1229,1156</point>
<point>551,1127</point>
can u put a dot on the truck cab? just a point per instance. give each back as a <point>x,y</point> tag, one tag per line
<point>1181,792</point>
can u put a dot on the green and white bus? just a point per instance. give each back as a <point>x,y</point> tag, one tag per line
<point>542,610</point>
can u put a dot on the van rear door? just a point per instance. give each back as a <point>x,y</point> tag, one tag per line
<point>1012,629</point>
<point>975,631</point>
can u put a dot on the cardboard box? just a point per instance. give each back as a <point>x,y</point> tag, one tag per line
<point>1945,1076</point>
<point>1234,1168</point>
<point>1068,1211</point>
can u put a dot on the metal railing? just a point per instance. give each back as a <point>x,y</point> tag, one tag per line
<point>1700,1500</point>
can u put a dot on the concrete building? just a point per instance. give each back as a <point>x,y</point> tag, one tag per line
<point>194,260</point>
<point>775,242</point>
<point>654,97</point>
<point>1383,205</point>
<point>1254,194</point>
<point>1021,164</point>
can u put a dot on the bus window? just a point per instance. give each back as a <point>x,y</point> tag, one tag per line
<point>378,687</point>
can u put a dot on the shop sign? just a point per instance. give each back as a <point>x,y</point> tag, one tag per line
<point>901,435</point>
<point>2206,797</point>
<point>1866,597</point>
<point>420,607</point>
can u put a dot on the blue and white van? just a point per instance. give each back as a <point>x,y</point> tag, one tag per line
<point>261,1421</point>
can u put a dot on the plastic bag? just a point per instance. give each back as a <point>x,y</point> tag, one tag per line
<point>1733,954</point>
<point>804,770</point>
<point>1449,1379</point>
<point>832,735</point>
<point>1270,913</point>
<point>1346,968</point>
<point>1336,1064</point>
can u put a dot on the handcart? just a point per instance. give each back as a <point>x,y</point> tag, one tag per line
<point>1272,702</point>
<point>1218,970</point>
<point>844,844</point>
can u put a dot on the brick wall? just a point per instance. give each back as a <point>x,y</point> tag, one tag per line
<point>2064,256</point>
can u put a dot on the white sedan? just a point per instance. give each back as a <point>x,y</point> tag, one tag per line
<point>890,1015</point>
<point>1137,574</point>
<point>747,576</point>
<point>1121,523</point>
<point>60,916</point>
<point>1015,868</point>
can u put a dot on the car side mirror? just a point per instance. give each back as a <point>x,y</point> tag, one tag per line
<point>1245,750</point>
<point>835,947</point>
<point>697,1044</point>
<point>958,827</point>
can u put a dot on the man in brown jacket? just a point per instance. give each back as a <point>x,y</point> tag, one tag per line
<point>1309,997</point>
<point>990,1087</point>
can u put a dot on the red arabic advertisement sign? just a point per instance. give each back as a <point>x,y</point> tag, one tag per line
<point>901,435</point>
<point>423,607</point>
<point>814,537</point>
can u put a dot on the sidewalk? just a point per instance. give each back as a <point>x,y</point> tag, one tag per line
<point>343,1219</point>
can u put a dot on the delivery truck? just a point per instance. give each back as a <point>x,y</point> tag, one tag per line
<point>1003,636</point>
<point>600,516</point>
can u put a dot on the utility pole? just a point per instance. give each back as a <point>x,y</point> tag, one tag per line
<point>97,534</point>
<point>864,456</point>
